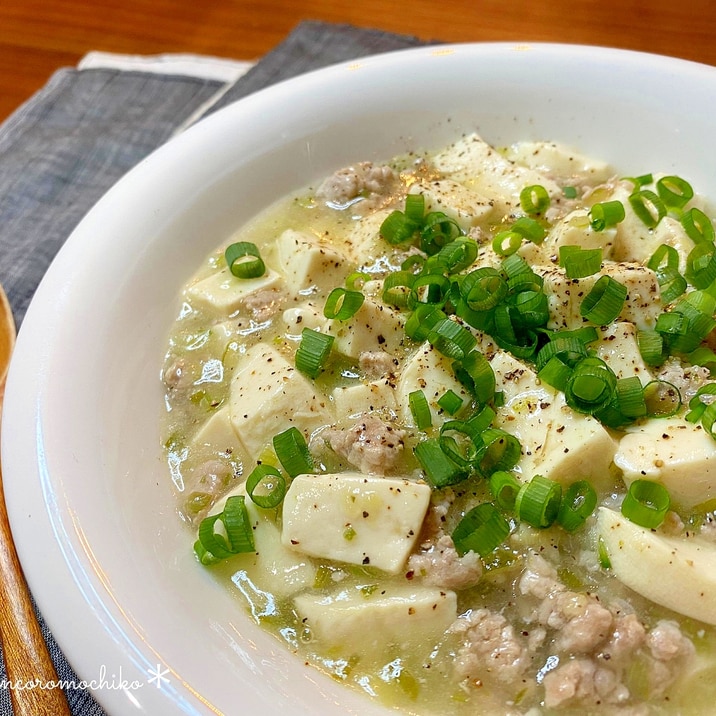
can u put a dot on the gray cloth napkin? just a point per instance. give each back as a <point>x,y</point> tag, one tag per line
<point>74,139</point>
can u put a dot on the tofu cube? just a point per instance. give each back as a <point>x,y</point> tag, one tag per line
<point>466,207</point>
<point>618,348</point>
<point>378,396</point>
<point>355,518</point>
<point>307,262</point>
<point>269,395</point>
<point>370,623</point>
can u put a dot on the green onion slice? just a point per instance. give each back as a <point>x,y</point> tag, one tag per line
<point>674,191</point>
<point>438,231</point>
<point>397,228</point>
<point>483,288</point>
<point>422,320</point>
<point>604,302</point>
<point>504,486</point>
<point>458,254</point>
<point>420,409</point>
<point>244,260</point>
<point>698,226</point>
<point>555,373</point>
<point>415,207</point>
<point>662,399</point>
<point>313,352</point>
<point>591,386</point>
<point>499,451</point>
<point>440,470</point>
<point>396,288</point>
<point>646,503</point>
<point>534,199</point>
<point>506,243</point>
<point>428,288</point>
<point>578,262</point>
<point>606,214</point>
<point>292,452</point>
<point>530,229</point>
<point>481,530</point>
<point>569,192</point>
<point>475,373</point>
<point>457,441</point>
<point>651,346</point>
<point>237,534</point>
<point>698,406</point>
<point>452,339</point>
<point>648,207</point>
<point>342,304</point>
<point>266,486</point>
<point>356,280</point>
<point>450,402</point>
<point>537,503</point>
<point>701,265</point>
<point>577,505</point>
<point>630,397</point>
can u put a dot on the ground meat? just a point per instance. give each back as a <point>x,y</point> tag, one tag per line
<point>581,680</point>
<point>360,181</point>
<point>212,476</point>
<point>377,364</point>
<point>687,380</point>
<point>371,445</point>
<point>434,522</point>
<point>582,623</point>
<point>176,374</point>
<point>666,642</point>
<point>491,648</point>
<point>539,578</point>
<point>442,566</point>
<point>264,304</point>
<point>627,637</point>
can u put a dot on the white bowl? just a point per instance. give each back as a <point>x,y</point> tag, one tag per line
<point>106,556</point>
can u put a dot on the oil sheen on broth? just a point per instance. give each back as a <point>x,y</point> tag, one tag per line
<point>524,312</point>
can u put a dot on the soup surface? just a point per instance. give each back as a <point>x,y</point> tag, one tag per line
<point>444,425</point>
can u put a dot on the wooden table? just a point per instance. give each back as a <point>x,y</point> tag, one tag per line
<point>39,36</point>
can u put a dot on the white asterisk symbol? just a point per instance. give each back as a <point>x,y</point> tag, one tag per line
<point>158,676</point>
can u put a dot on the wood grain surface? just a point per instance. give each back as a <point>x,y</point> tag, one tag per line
<point>39,36</point>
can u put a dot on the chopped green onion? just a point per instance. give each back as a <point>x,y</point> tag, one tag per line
<point>428,288</point>
<point>578,503</point>
<point>640,181</point>
<point>397,228</point>
<point>499,451</point>
<point>570,192</point>
<point>603,555</point>
<point>415,207</point>
<point>534,199</point>
<point>313,352</point>
<point>396,288</point>
<point>701,265</point>
<point>439,469</point>
<point>356,280</point>
<point>481,420</point>
<point>630,397</point>
<point>604,302</point>
<point>646,503</point>
<point>504,486</point>
<point>422,320</point>
<point>606,214</point>
<point>244,260</point>
<point>674,191</point>
<point>506,243</point>
<point>420,409</point>
<point>438,230</point>
<point>651,346</point>
<point>537,503</point>
<point>578,262</point>
<point>662,399</point>
<point>697,406</point>
<point>703,356</point>
<point>483,288</point>
<point>237,537</point>
<point>458,254</point>
<point>648,207</point>
<point>450,402</point>
<point>266,486</point>
<point>569,348</point>
<point>481,530</point>
<point>665,256</point>
<point>342,304</point>
<point>591,386</point>
<point>555,373</point>
<point>529,229</point>
<point>697,226</point>
<point>292,452</point>
<point>457,441</point>
<point>475,373</point>
<point>452,339</point>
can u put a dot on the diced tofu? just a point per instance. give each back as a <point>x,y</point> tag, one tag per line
<point>305,315</point>
<point>378,396</point>
<point>430,371</point>
<point>618,348</point>
<point>676,572</point>
<point>463,205</point>
<point>364,243</point>
<point>565,296</point>
<point>369,621</point>
<point>375,327</point>
<point>672,451</point>
<point>478,166</point>
<point>556,441</point>
<point>306,262</point>
<point>269,395</point>
<point>575,230</point>
<point>559,160</point>
<point>355,518</point>
<point>224,293</point>
<point>279,570</point>
<point>218,434</point>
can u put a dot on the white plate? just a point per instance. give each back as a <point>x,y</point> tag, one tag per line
<point>105,554</point>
